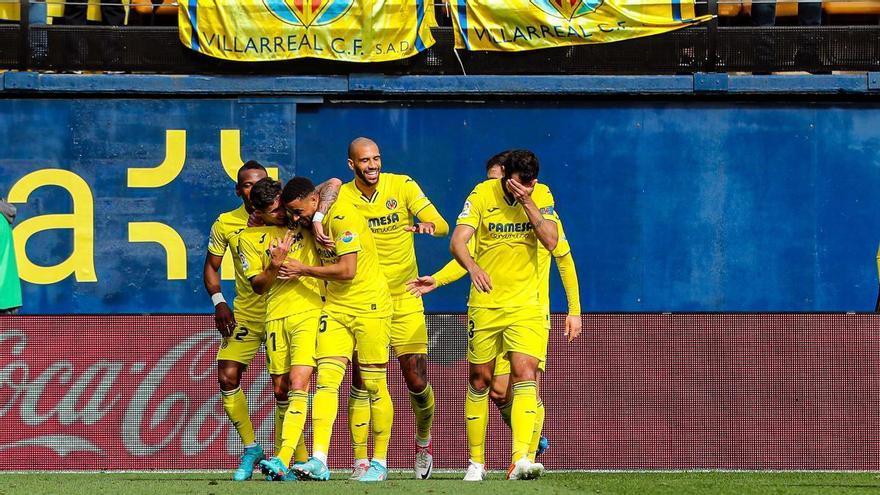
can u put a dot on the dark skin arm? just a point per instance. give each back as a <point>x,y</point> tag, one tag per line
<point>328,191</point>
<point>224,320</point>
<point>344,269</point>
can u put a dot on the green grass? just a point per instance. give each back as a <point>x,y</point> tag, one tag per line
<point>554,483</point>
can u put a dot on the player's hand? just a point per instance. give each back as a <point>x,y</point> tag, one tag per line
<point>255,220</point>
<point>422,228</point>
<point>224,320</point>
<point>278,249</point>
<point>322,238</point>
<point>291,270</point>
<point>421,286</point>
<point>480,279</point>
<point>573,326</point>
<point>521,192</point>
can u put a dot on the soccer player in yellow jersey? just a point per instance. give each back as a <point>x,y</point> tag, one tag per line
<point>357,314</point>
<point>501,391</point>
<point>507,218</point>
<point>391,204</point>
<point>293,309</point>
<point>243,330</point>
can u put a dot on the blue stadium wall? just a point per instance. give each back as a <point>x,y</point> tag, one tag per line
<point>670,204</point>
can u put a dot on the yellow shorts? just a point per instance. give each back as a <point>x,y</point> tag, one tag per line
<point>493,331</point>
<point>502,364</point>
<point>244,342</point>
<point>290,341</point>
<point>339,334</point>
<point>409,334</point>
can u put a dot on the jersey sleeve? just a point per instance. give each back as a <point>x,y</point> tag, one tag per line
<point>250,256</point>
<point>562,245</point>
<point>347,233</point>
<point>217,241</point>
<point>416,200</point>
<point>472,211</point>
<point>568,274</point>
<point>543,199</point>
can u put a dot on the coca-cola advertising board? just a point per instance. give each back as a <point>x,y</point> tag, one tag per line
<point>637,391</point>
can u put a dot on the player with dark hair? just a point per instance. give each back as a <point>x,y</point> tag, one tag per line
<point>242,330</point>
<point>391,204</point>
<point>357,314</point>
<point>509,218</point>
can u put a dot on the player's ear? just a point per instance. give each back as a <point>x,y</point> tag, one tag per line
<point>350,164</point>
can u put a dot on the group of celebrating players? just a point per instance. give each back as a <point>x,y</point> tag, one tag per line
<point>326,275</point>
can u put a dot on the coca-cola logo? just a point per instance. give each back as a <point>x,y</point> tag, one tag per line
<point>154,402</point>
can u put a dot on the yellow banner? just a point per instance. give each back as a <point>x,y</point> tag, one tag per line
<point>266,30</point>
<point>517,25</point>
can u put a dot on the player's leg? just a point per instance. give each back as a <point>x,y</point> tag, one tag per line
<point>299,355</point>
<point>409,338</point>
<point>501,393</point>
<point>358,421</point>
<point>484,343</point>
<point>525,342</point>
<point>539,443</point>
<point>233,356</point>
<point>373,337</point>
<point>278,367</point>
<point>335,345</point>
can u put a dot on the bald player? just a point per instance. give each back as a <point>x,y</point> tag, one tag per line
<point>396,209</point>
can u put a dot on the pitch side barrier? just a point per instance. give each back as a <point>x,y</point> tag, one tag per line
<point>636,391</point>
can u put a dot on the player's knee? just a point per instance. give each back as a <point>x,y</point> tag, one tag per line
<point>279,390</point>
<point>228,379</point>
<point>416,378</point>
<point>480,379</point>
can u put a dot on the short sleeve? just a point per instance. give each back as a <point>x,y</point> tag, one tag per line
<point>416,200</point>
<point>346,233</point>
<point>250,256</point>
<point>472,211</point>
<point>217,241</point>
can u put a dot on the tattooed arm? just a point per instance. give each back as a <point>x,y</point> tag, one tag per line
<point>328,191</point>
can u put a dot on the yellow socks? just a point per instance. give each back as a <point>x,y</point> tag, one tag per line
<point>476,412</point>
<point>236,406</point>
<point>381,410</point>
<point>359,421</point>
<point>301,453</point>
<point>423,409</point>
<point>505,411</point>
<point>536,434</point>
<point>523,416</point>
<point>294,422</point>
<point>325,405</point>
<point>280,411</point>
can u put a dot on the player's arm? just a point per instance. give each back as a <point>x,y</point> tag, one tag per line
<point>263,280</point>
<point>328,192</point>
<point>430,222</point>
<point>445,276</point>
<point>568,274</point>
<point>540,216</point>
<point>224,320</point>
<point>468,220</point>
<point>344,269</point>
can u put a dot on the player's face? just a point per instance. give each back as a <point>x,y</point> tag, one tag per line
<point>274,214</point>
<point>302,210</point>
<point>496,172</point>
<point>366,163</point>
<point>246,181</point>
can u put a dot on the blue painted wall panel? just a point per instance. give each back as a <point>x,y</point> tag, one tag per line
<point>669,206</point>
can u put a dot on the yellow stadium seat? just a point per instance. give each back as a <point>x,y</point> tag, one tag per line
<point>145,7</point>
<point>9,10</point>
<point>729,8</point>
<point>868,7</point>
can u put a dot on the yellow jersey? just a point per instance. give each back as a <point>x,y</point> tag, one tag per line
<point>389,211</point>
<point>247,305</point>
<point>285,297</point>
<point>506,246</point>
<point>367,294</point>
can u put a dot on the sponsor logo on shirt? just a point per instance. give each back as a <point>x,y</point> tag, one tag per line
<point>347,236</point>
<point>465,210</point>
